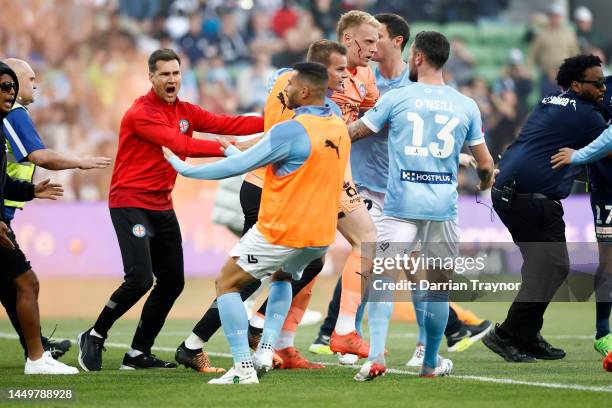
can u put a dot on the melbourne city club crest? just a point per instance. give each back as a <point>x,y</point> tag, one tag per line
<point>139,230</point>
<point>183,125</point>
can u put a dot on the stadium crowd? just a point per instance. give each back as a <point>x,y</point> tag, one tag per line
<point>87,55</point>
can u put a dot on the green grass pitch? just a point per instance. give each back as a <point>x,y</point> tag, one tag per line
<point>481,378</point>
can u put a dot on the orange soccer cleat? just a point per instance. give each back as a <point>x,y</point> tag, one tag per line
<point>292,359</point>
<point>369,371</point>
<point>350,343</point>
<point>607,362</point>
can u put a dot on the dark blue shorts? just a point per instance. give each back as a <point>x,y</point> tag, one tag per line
<point>601,204</point>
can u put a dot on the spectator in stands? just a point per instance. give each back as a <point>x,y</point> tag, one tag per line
<point>284,18</point>
<point>503,121</point>
<point>232,45</point>
<point>551,46</point>
<point>195,44</point>
<point>326,14</point>
<point>252,87</point>
<point>517,78</point>
<point>260,37</point>
<point>461,62</point>
<point>587,38</point>
<point>298,39</point>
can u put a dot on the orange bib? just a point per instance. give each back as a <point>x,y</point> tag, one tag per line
<point>300,209</point>
<point>275,111</point>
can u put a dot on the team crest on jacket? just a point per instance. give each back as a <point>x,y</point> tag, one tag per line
<point>362,90</point>
<point>139,230</point>
<point>183,125</point>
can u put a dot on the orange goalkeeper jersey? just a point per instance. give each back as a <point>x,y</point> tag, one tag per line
<point>360,93</point>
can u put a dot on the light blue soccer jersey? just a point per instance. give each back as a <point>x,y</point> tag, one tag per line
<point>369,156</point>
<point>428,126</point>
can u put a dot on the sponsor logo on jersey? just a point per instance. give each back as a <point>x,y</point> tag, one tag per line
<point>559,100</point>
<point>139,230</point>
<point>183,125</point>
<point>426,177</point>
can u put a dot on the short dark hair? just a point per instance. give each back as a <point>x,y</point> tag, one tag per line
<point>314,73</point>
<point>573,69</point>
<point>165,54</point>
<point>434,46</point>
<point>396,26</point>
<point>321,51</point>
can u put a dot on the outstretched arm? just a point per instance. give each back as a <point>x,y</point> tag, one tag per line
<point>269,149</point>
<point>594,151</point>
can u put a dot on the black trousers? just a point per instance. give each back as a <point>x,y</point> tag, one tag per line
<point>151,247</point>
<point>14,264</point>
<point>537,227</point>
<point>250,198</point>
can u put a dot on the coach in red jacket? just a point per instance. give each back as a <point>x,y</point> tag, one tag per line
<point>141,207</point>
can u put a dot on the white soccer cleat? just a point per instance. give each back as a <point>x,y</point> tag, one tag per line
<point>237,376</point>
<point>444,368</point>
<point>263,360</point>
<point>47,365</point>
<point>370,370</point>
<point>417,357</point>
<point>310,317</point>
<point>348,359</point>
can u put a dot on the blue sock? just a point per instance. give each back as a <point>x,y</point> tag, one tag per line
<point>419,311</point>
<point>436,317</point>
<point>602,319</point>
<point>379,314</point>
<point>279,301</point>
<point>359,317</point>
<point>235,326</point>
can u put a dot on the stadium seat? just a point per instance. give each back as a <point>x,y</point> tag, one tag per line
<point>507,35</point>
<point>467,31</point>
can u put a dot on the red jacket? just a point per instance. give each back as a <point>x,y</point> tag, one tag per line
<point>142,178</point>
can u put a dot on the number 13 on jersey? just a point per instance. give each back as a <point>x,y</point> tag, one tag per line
<point>445,135</point>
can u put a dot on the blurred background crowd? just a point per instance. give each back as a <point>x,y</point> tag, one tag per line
<point>90,58</point>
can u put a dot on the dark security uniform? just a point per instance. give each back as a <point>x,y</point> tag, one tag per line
<point>13,263</point>
<point>600,180</point>
<point>534,214</point>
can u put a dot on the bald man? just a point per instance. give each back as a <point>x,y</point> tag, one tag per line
<point>25,152</point>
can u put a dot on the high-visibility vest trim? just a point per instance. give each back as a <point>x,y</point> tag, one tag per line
<point>20,171</point>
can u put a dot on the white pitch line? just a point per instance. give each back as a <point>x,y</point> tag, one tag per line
<point>509,381</point>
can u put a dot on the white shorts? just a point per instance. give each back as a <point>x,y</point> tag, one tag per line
<point>261,259</point>
<point>374,202</point>
<point>433,238</point>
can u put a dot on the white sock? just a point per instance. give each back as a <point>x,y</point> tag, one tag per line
<point>134,353</point>
<point>285,339</point>
<point>345,324</point>
<point>93,332</point>
<point>41,356</point>
<point>257,321</point>
<point>193,342</point>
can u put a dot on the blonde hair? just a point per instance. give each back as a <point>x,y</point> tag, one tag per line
<point>354,18</point>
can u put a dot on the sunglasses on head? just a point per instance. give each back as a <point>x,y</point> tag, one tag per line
<point>600,83</point>
<point>7,86</point>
